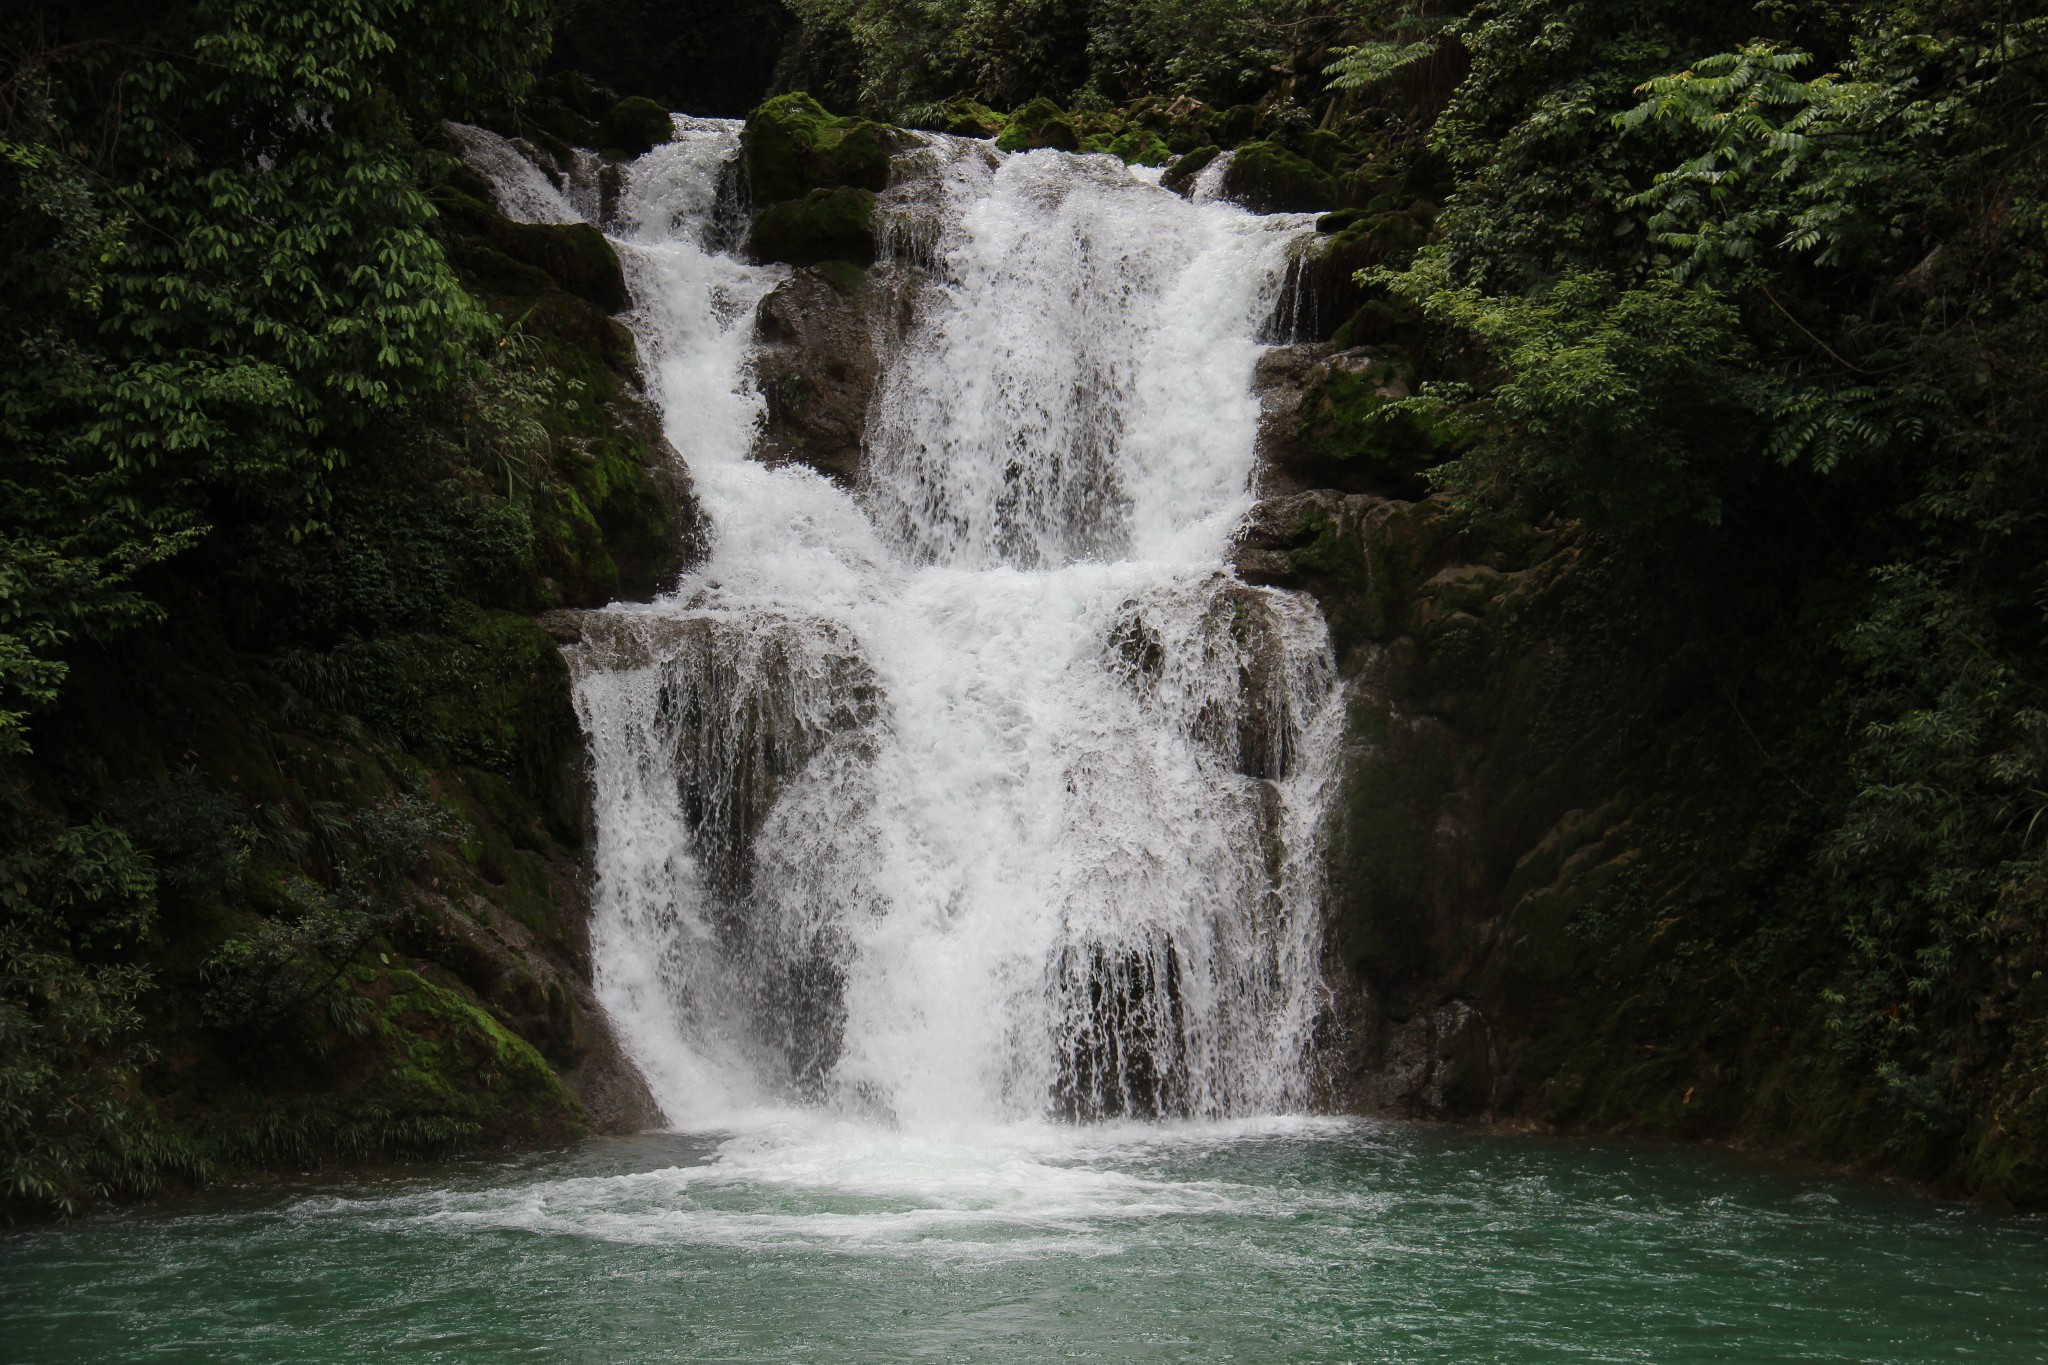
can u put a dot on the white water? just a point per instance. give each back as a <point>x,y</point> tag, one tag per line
<point>985,795</point>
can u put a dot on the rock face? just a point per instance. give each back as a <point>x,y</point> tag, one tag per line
<point>1268,178</point>
<point>1476,742</point>
<point>817,363</point>
<point>1550,897</point>
<point>1324,423</point>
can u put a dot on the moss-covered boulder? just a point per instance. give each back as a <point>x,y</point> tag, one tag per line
<point>1039,124</point>
<point>1267,178</point>
<point>793,145</point>
<point>635,125</point>
<point>1140,147</point>
<point>1351,414</point>
<point>825,225</point>
<point>1180,176</point>
<point>961,118</point>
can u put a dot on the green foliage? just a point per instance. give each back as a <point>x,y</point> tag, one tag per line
<point>1610,401</point>
<point>259,417</point>
<point>73,1125</point>
<point>1774,164</point>
<point>1758,294</point>
<point>896,56</point>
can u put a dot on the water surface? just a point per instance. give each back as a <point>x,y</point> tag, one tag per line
<point>1259,1240</point>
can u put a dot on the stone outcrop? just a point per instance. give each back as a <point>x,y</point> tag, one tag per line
<point>1324,422</point>
<point>1477,741</point>
<point>817,363</point>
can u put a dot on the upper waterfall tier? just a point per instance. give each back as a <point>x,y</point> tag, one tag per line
<point>982,791</point>
<point>1075,385</point>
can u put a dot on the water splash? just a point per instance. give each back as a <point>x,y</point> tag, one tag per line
<point>984,794</point>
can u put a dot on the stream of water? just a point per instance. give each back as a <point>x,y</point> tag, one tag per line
<point>981,791</point>
<point>959,897</point>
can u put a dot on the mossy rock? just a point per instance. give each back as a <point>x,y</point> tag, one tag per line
<point>963,118</point>
<point>493,695</point>
<point>578,92</point>
<point>563,124</point>
<point>1180,176</point>
<point>793,146</point>
<point>431,1073</point>
<point>636,126</point>
<point>1345,419</point>
<point>1140,147</point>
<point>1236,124</point>
<point>1039,124</point>
<point>574,257</point>
<point>825,225</point>
<point>1325,150</point>
<point>1267,178</point>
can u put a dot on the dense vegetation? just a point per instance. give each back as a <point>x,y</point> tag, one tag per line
<point>1758,294</point>
<point>285,476</point>
<point>295,435</point>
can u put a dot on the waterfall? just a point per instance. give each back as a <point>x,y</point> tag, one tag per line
<point>983,792</point>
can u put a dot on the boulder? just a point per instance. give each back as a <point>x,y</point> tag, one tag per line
<point>1039,124</point>
<point>816,367</point>
<point>1267,178</point>
<point>825,225</point>
<point>635,125</point>
<point>793,146</point>
<point>1140,147</point>
<point>1180,176</point>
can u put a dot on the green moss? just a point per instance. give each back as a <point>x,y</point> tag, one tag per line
<point>1141,147</point>
<point>1039,124</point>
<point>635,126</point>
<point>842,275</point>
<point>426,1072</point>
<point>1346,419</point>
<point>1180,176</point>
<point>962,118</point>
<point>793,146</point>
<point>605,520</point>
<point>1267,178</point>
<point>825,225</point>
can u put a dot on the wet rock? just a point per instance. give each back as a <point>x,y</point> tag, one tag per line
<point>1441,1063</point>
<point>635,126</point>
<point>816,365</point>
<point>1267,178</point>
<point>746,705</point>
<point>825,225</point>
<point>1324,424</point>
<point>1232,676</point>
<point>1280,382</point>
<point>792,146</point>
<point>1180,176</point>
<point>1121,1038</point>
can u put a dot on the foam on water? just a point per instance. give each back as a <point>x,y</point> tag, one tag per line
<point>984,794</point>
<point>818,1182</point>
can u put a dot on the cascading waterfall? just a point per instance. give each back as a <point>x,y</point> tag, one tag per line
<point>985,792</point>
